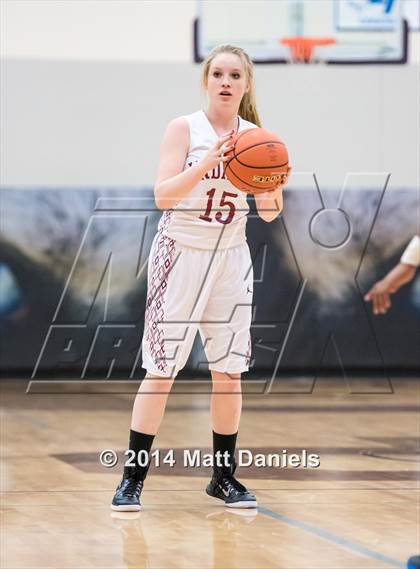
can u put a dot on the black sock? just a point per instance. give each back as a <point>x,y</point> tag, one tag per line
<point>139,442</point>
<point>223,443</point>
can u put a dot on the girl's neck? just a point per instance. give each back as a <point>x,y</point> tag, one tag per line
<point>222,121</point>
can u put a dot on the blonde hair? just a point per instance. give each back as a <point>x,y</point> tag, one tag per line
<point>248,106</point>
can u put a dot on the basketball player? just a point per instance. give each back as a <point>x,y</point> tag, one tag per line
<point>401,274</point>
<point>200,271</point>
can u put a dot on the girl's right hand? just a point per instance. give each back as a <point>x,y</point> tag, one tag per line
<point>218,153</point>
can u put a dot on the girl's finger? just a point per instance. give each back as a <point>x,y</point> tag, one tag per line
<point>228,147</point>
<point>383,304</point>
<point>222,140</point>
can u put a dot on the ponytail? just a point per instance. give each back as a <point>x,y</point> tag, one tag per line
<point>248,109</point>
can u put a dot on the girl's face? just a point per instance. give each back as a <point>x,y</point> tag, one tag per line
<point>227,81</point>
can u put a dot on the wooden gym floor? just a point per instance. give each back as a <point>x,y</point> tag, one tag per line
<point>359,509</point>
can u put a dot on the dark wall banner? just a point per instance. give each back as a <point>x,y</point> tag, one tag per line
<point>73,278</point>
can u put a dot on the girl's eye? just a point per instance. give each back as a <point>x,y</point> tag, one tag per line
<point>216,74</point>
<point>236,75</point>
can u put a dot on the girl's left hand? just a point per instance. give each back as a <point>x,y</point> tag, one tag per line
<point>283,181</point>
<point>284,178</point>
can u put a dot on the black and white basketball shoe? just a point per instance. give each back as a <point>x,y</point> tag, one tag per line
<point>224,486</point>
<point>127,494</point>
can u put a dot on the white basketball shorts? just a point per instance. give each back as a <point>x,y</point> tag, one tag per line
<point>197,289</point>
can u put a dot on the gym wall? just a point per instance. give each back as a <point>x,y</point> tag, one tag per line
<point>78,125</point>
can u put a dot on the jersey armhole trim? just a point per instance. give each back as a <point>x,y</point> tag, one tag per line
<point>189,134</point>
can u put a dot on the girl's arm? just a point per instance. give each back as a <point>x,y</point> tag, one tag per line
<point>270,204</point>
<point>172,182</point>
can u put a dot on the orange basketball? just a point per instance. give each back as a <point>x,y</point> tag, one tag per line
<point>258,161</point>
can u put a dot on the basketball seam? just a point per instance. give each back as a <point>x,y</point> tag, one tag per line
<point>253,146</point>
<point>260,167</point>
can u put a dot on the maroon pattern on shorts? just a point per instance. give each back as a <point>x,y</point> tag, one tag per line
<point>248,352</point>
<point>156,294</point>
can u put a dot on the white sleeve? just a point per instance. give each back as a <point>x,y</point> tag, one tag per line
<point>411,255</point>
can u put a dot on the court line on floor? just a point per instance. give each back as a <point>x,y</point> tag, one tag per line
<point>331,537</point>
<point>283,489</point>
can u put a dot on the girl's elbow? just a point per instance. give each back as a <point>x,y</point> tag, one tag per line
<point>164,202</point>
<point>158,199</point>
<point>269,218</point>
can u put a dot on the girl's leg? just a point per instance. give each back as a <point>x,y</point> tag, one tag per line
<point>226,402</point>
<point>226,405</point>
<point>148,410</point>
<point>149,404</point>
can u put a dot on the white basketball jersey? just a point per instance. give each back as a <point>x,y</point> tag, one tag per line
<point>213,214</point>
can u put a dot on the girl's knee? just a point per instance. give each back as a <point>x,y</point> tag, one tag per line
<point>226,382</point>
<point>155,384</point>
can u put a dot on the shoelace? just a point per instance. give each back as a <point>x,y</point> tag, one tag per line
<point>132,487</point>
<point>226,477</point>
<point>232,484</point>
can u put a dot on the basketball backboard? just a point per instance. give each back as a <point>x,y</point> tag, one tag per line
<point>364,31</point>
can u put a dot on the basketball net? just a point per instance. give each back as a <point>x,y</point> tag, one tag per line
<point>303,49</point>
